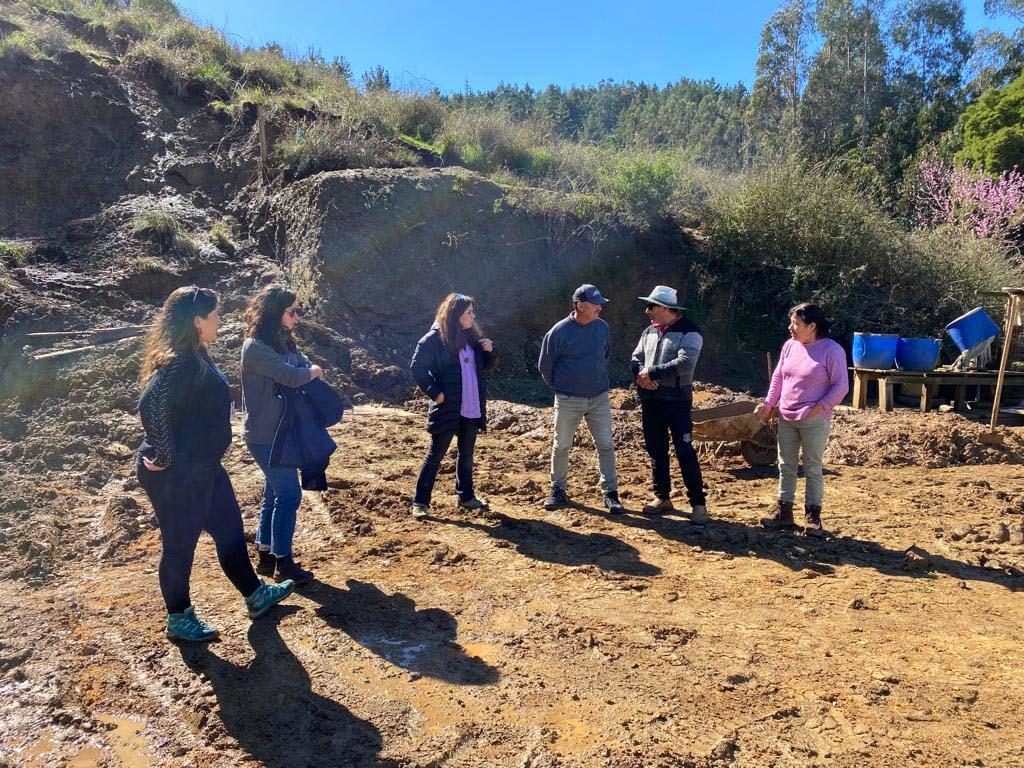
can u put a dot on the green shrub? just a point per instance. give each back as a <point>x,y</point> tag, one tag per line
<point>162,8</point>
<point>270,67</point>
<point>13,252</point>
<point>487,141</point>
<point>639,186</point>
<point>18,46</point>
<point>220,237</point>
<point>790,233</point>
<point>327,145</point>
<point>421,117</point>
<point>162,228</point>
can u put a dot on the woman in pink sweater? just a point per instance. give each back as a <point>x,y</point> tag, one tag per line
<point>809,381</point>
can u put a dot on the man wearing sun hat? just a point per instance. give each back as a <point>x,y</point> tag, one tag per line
<point>574,363</point>
<point>662,366</point>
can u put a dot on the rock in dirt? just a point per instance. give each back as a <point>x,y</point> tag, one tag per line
<point>916,560</point>
<point>725,750</point>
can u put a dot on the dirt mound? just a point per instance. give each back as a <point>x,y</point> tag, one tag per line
<point>871,438</point>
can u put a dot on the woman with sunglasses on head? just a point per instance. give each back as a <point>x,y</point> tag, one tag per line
<point>186,413</point>
<point>271,357</point>
<point>448,365</point>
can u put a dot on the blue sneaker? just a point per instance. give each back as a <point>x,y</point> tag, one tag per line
<point>188,627</point>
<point>261,601</point>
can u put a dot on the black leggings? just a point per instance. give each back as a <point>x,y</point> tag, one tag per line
<point>463,468</point>
<point>189,499</point>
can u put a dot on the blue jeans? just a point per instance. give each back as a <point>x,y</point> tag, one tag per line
<point>282,495</point>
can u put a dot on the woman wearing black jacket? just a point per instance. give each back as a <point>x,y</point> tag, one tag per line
<point>186,413</point>
<point>449,365</point>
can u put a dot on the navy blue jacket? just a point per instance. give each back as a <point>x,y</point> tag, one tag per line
<point>301,438</point>
<point>436,370</point>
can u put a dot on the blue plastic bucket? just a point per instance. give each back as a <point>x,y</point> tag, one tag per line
<point>918,354</point>
<point>967,330</point>
<point>874,350</point>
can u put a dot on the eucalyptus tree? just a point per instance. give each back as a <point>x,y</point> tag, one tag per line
<point>773,114</point>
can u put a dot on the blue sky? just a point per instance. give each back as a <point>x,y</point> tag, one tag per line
<point>566,42</point>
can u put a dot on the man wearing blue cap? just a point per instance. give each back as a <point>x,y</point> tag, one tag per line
<point>574,363</point>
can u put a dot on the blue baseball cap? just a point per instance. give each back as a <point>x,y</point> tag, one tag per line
<point>587,292</point>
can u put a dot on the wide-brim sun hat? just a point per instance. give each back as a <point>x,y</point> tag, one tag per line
<point>664,296</point>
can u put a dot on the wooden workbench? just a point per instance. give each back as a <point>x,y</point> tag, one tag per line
<point>928,381</point>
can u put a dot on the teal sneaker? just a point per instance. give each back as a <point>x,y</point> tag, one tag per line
<point>261,601</point>
<point>188,627</point>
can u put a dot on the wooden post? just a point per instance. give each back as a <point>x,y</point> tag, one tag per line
<point>264,147</point>
<point>927,395</point>
<point>860,390</point>
<point>885,394</point>
<point>961,397</point>
<point>1012,310</point>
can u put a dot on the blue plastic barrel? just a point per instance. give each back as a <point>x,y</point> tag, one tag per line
<point>874,350</point>
<point>918,354</point>
<point>967,330</point>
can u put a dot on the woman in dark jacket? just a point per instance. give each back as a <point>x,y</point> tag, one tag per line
<point>186,413</point>
<point>449,365</point>
<point>270,357</point>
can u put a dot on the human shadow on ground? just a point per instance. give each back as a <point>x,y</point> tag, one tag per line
<point>800,552</point>
<point>541,540</point>
<point>422,641</point>
<point>269,706</point>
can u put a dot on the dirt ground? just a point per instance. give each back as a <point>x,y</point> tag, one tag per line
<point>530,638</point>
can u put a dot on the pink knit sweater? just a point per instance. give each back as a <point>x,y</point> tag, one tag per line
<point>808,375</point>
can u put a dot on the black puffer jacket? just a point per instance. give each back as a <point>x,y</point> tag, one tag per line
<point>436,370</point>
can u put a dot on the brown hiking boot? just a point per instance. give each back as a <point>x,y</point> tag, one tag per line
<point>812,520</point>
<point>658,507</point>
<point>781,516</point>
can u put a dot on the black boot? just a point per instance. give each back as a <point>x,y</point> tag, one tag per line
<point>812,520</point>
<point>781,516</point>
<point>287,568</point>
<point>266,563</point>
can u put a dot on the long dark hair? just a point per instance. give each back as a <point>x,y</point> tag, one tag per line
<point>809,313</point>
<point>454,336</point>
<point>174,330</point>
<point>263,318</point>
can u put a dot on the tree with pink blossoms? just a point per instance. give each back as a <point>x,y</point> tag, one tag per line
<point>969,200</point>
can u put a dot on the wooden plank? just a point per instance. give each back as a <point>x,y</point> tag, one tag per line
<point>61,353</point>
<point>54,334</point>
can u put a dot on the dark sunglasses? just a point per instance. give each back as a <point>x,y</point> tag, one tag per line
<point>294,312</point>
<point>651,306</point>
